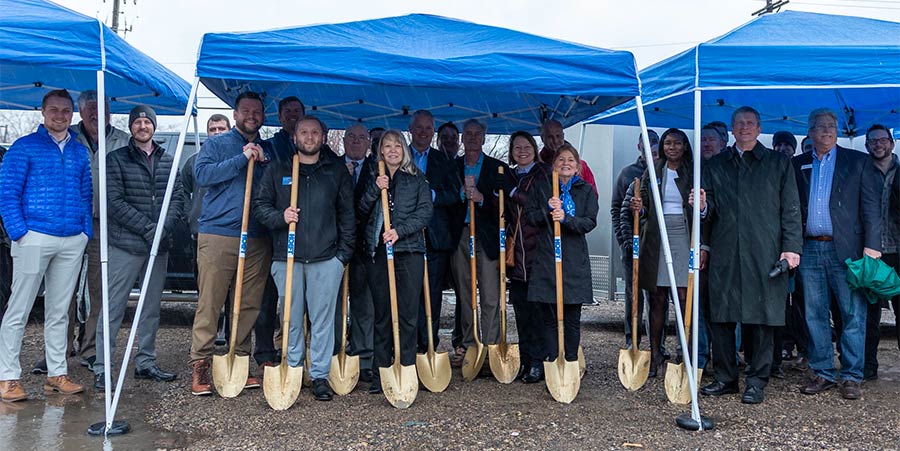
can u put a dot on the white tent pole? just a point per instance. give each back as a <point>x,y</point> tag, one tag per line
<point>667,251</point>
<point>581,139</point>
<point>154,249</point>
<point>104,238</point>
<point>695,238</point>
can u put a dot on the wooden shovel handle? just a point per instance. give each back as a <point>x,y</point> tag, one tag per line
<point>242,254</point>
<point>557,251</point>
<point>392,281</point>
<point>473,270</point>
<point>289,277</point>
<point>635,240</point>
<point>502,229</point>
<point>426,289</point>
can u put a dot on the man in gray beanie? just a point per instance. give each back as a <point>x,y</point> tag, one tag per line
<point>784,142</point>
<point>137,175</point>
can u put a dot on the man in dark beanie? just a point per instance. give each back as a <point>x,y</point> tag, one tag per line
<point>137,175</point>
<point>785,143</point>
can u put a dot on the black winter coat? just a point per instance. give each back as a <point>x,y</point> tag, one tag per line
<point>444,180</point>
<point>410,202</point>
<point>326,225</point>
<point>753,215</point>
<point>576,264</point>
<point>625,179</point>
<point>135,188</point>
<point>525,233</point>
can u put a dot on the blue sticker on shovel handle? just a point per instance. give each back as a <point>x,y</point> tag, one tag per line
<point>471,247</point>
<point>691,261</point>
<point>291,237</point>
<point>635,246</point>
<point>557,249</point>
<point>243,251</point>
<point>390,250</point>
<point>502,240</point>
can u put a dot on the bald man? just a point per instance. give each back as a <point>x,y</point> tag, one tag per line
<point>553,136</point>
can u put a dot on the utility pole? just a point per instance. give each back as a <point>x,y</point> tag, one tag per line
<point>771,7</point>
<point>116,12</point>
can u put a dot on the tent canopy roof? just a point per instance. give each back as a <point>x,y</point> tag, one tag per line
<point>379,71</point>
<point>46,46</point>
<point>784,65</point>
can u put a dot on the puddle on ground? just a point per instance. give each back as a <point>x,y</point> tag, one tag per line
<point>60,423</point>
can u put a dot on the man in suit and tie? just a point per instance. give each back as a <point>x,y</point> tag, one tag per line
<point>361,309</point>
<point>445,183</point>
<point>479,173</point>
<point>840,198</point>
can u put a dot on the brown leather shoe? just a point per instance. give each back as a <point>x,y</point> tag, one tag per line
<point>63,385</point>
<point>12,391</point>
<point>261,369</point>
<point>200,380</point>
<point>817,385</point>
<point>850,390</point>
<point>252,381</point>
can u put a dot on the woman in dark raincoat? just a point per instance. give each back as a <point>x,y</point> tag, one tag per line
<point>675,177</point>
<point>576,209</point>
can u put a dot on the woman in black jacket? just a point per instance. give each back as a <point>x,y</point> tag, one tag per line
<point>675,177</point>
<point>576,210</point>
<point>410,207</point>
<point>521,239</point>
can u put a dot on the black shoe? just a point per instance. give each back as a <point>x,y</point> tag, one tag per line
<point>534,374</point>
<point>88,362</point>
<point>719,388</point>
<point>155,373</point>
<point>521,373</point>
<point>753,395</point>
<point>40,367</point>
<point>777,372</point>
<point>375,387</point>
<point>99,381</point>
<point>321,390</point>
<point>365,376</point>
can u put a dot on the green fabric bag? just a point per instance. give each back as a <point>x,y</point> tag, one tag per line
<point>873,277</point>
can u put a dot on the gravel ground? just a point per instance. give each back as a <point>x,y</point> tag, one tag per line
<point>486,415</point>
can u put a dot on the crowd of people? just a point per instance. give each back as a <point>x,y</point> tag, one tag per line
<point>758,206</point>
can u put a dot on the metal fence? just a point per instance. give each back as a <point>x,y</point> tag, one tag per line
<point>600,277</point>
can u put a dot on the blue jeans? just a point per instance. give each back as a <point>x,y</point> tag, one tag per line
<point>823,271</point>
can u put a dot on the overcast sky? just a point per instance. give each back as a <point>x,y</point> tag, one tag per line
<point>170,30</point>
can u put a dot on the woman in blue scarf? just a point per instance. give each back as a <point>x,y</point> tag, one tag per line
<point>576,210</point>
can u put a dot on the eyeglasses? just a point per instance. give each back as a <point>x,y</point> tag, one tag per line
<point>825,128</point>
<point>352,137</point>
<point>882,141</point>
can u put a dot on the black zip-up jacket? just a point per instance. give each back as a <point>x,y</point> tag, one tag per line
<point>135,187</point>
<point>325,198</point>
<point>411,209</point>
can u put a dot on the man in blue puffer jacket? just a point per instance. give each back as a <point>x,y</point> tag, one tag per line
<point>45,201</point>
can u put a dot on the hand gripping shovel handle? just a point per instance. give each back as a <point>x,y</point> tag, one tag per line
<point>392,281</point>
<point>635,247</point>
<point>557,251</point>
<point>289,280</point>
<point>242,256</point>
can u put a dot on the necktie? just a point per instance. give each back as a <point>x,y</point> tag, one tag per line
<point>355,171</point>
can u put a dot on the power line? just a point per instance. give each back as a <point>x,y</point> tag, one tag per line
<point>833,5</point>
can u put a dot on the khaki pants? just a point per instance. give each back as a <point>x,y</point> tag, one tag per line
<point>488,272</point>
<point>217,261</point>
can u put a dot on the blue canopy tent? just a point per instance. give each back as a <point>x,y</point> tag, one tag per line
<point>784,65</point>
<point>379,71</point>
<point>48,47</point>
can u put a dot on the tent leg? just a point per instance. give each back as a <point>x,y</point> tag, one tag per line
<point>667,251</point>
<point>154,249</point>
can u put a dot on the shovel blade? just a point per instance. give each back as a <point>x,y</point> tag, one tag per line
<point>473,361</point>
<point>281,385</point>
<point>344,373</point>
<point>563,379</point>
<point>434,373</point>
<point>678,390</point>
<point>504,360</point>
<point>400,384</point>
<point>582,367</point>
<point>634,367</point>
<point>230,374</point>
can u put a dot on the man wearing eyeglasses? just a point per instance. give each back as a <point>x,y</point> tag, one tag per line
<point>840,199</point>
<point>880,146</point>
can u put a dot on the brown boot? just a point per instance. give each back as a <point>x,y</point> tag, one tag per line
<point>200,383</point>
<point>12,391</point>
<point>62,384</point>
